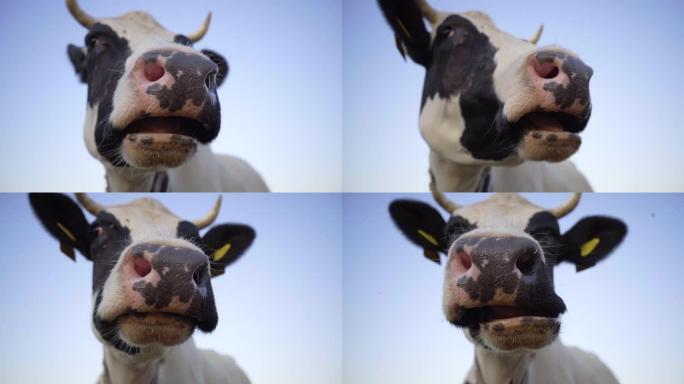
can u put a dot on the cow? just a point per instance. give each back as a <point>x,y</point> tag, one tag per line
<point>498,281</point>
<point>151,285</point>
<point>153,107</point>
<point>498,113</point>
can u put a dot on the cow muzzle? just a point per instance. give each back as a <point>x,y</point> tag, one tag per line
<point>166,294</point>
<point>500,288</point>
<point>174,107</point>
<point>558,105</point>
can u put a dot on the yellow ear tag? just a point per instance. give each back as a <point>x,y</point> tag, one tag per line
<point>66,232</point>
<point>428,237</point>
<point>589,246</point>
<point>221,252</point>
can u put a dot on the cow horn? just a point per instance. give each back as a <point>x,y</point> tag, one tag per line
<point>210,217</point>
<point>428,12</point>
<point>534,39</point>
<point>199,34</point>
<point>89,204</point>
<point>83,18</point>
<point>566,207</point>
<point>441,199</point>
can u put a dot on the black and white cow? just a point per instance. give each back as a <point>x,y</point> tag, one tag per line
<point>152,276</point>
<point>497,112</point>
<point>153,108</point>
<point>498,281</point>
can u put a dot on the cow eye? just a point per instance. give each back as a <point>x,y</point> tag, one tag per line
<point>96,43</point>
<point>445,31</point>
<point>96,231</point>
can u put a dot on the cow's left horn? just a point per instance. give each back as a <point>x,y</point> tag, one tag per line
<point>567,207</point>
<point>534,39</point>
<point>428,12</point>
<point>195,37</point>
<point>89,204</point>
<point>210,217</point>
<point>83,18</point>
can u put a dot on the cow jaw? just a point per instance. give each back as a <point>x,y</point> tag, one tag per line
<point>149,328</point>
<point>546,138</point>
<point>519,333</point>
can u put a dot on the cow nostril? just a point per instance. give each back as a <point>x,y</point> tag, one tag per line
<point>547,70</point>
<point>153,71</point>
<point>464,260</point>
<point>141,265</point>
<point>525,262</point>
<point>198,275</point>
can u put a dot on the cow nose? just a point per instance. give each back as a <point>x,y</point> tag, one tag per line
<point>180,71</point>
<point>561,80</point>
<point>501,255</point>
<point>152,263</point>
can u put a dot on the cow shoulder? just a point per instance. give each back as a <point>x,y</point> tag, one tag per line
<point>539,176</point>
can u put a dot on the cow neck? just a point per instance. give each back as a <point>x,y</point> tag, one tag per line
<point>142,368</point>
<point>456,177</point>
<point>493,367</point>
<point>131,180</point>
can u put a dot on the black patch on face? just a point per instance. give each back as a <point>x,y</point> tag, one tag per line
<point>183,40</point>
<point>541,224</point>
<point>104,66</point>
<point>109,331</point>
<point>197,84</point>
<point>457,226</point>
<point>188,231</point>
<point>463,63</point>
<point>106,247</point>
<point>174,266</point>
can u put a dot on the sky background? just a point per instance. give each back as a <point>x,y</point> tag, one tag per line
<point>281,103</point>
<point>280,305</point>
<point>627,309</point>
<point>633,140</point>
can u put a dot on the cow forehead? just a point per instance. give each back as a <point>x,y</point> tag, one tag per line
<point>501,211</point>
<point>140,29</point>
<point>146,219</point>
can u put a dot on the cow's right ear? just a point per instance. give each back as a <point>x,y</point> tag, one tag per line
<point>77,56</point>
<point>64,220</point>
<point>411,35</point>
<point>225,243</point>
<point>422,224</point>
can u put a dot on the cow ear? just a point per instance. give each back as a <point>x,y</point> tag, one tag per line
<point>225,243</point>
<point>591,240</point>
<point>77,57</point>
<point>411,35</point>
<point>221,62</point>
<point>64,220</point>
<point>422,225</point>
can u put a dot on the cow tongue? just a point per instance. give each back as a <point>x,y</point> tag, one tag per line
<point>542,122</point>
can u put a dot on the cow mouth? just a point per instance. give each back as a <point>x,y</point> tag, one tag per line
<point>172,125</point>
<point>477,317</point>
<point>156,143</point>
<point>144,328</point>
<point>550,136</point>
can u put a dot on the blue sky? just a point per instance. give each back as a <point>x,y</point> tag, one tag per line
<point>281,104</point>
<point>280,305</point>
<point>626,309</point>
<point>633,140</point>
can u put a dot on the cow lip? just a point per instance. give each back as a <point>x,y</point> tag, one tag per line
<point>474,317</point>
<point>552,122</point>
<point>142,315</point>
<point>166,125</point>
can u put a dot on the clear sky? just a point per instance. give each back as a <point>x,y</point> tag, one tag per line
<point>633,140</point>
<point>280,305</point>
<point>281,104</point>
<point>627,309</point>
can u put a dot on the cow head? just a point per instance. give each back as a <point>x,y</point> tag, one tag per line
<point>489,97</point>
<point>151,96</point>
<point>498,281</point>
<point>151,269</point>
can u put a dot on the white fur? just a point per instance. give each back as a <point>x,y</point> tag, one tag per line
<point>555,363</point>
